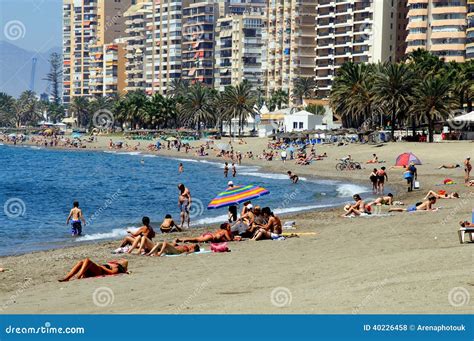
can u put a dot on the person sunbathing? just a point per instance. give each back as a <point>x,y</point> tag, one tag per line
<point>466,224</point>
<point>169,225</point>
<point>356,209</point>
<point>449,166</point>
<point>384,200</point>
<point>442,195</point>
<point>166,248</point>
<point>374,159</point>
<point>87,268</point>
<point>135,238</point>
<point>426,205</point>
<point>273,228</point>
<point>222,235</point>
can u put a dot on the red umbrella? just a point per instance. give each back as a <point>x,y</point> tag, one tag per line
<point>406,158</point>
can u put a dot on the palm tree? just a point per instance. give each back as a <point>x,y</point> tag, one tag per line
<point>239,101</point>
<point>278,98</point>
<point>196,106</point>
<point>7,105</point>
<point>461,76</point>
<point>424,63</point>
<point>432,99</point>
<point>81,110</point>
<point>393,86</point>
<point>352,94</point>
<point>135,104</point>
<point>316,109</point>
<point>27,109</point>
<point>179,88</point>
<point>304,87</point>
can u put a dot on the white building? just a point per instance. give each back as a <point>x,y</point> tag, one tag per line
<point>302,120</point>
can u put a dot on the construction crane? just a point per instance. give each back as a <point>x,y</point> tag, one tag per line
<point>33,73</point>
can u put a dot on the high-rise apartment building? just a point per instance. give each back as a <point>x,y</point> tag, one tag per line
<point>402,23</point>
<point>362,31</point>
<point>470,30</point>
<point>238,50</point>
<point>87,24</point>
<point>289,43</point>
<point>438,26</point>
<point>135,38</point>
<point>199,19</point>
<point>163,55</point>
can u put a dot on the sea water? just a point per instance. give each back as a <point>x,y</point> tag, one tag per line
<point>116,189</point>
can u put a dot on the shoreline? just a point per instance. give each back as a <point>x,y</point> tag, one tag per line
<point>402,263</point>
<point>263,169</point>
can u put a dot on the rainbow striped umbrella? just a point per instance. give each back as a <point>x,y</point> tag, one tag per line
<point>237,194</point>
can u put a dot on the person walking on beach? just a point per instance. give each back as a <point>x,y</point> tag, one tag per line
<point>283,155</point>
<point>226,170</point>
<point>180,168</point>
<point>184,202</point>
<point>234,170</point>
<point>467,169</point>
<point>76,217</point>
<point>411,175</point>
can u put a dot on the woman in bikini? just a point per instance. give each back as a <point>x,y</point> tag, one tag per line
<point>273,228</point>
<point>373,179</point>
<point>87,268</point>
<point>135,238</point>
<point>166,248</point>
<point>381,177</point>
<point>385,200</point>
<point>358,208</point>
<point>221,235</point>
<point>441,195</point>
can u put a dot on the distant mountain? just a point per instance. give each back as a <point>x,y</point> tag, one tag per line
<point>15,69</point>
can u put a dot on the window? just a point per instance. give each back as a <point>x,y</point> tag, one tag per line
<point>301,125</point>
<point>295,125</point>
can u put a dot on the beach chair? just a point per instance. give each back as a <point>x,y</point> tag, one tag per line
<point>462,231</point>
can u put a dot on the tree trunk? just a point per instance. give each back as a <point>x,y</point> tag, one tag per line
<point>392,124</point>
<point>413,125</point>
<point>430,129</point>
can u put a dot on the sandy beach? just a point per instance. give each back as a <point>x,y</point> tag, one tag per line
<point>392,263</point>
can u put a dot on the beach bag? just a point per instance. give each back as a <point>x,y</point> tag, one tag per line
<point>219,247</point>
<point>407,175</point>
<point>416,185</point>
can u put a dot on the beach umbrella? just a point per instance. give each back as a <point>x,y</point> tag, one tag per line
<point>406,158</point>
<point>236,195</point>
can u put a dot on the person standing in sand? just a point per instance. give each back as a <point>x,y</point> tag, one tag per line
<point>467,169</point>
<point>234,170</point>
<point>180,168</point>
<point>76,217</point>
<point>184,202</point>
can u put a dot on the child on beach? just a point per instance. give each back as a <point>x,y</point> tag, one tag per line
<point>180,168</point>
<point>76,217</point>
<point>169,225</point>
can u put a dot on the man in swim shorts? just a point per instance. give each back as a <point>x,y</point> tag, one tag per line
<point>184,202</point>
<point>423,206</point>
<point>76,217</point>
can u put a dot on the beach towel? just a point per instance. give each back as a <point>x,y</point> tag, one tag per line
<point>219,247</point>
<point>289,225</point>
<point>202,251</point>
<point>293,234</point>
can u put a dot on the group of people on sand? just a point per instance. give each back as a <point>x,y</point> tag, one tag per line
<point>467,169</point>
<point>378,178</point>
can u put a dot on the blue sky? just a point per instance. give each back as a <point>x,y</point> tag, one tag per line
<point>34,25</point>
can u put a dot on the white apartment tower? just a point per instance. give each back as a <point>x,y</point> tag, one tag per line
<point>360,31</point>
